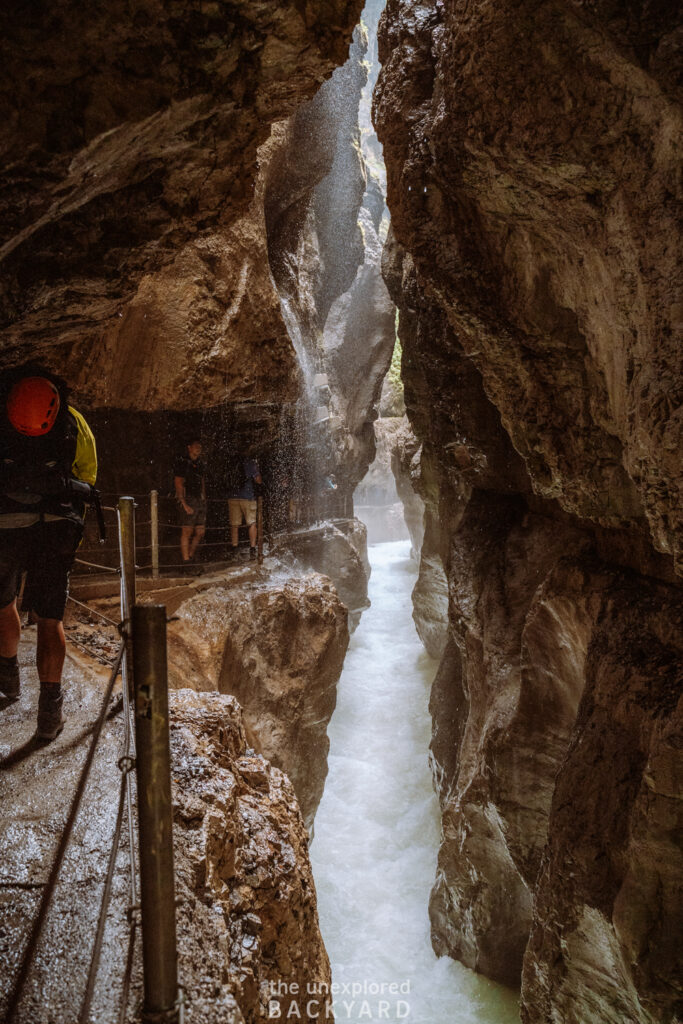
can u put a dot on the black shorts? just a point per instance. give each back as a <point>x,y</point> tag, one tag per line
<point>45,552</point>
<point>198,515</point>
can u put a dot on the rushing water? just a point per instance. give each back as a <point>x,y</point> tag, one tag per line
<point>377,828</point>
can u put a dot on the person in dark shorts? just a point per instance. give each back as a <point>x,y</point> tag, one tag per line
<point>48,466</point>
<point>189,480</point>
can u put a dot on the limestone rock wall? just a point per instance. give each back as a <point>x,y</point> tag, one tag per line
<point>608,921</point>
<point>530,167</point>
<point>544,189</point>
<point>248,913</point>
<point>358,340</point>
<point>405,465</point>
<point>182,208</point>
<point>338,549</point>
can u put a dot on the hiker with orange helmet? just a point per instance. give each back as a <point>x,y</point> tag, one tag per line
<point>48,467</point>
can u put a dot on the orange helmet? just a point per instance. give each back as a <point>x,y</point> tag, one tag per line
<point>33,405</point>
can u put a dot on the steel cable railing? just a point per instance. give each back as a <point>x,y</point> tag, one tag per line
<point>48,891</point>
<point>126,763</point>
<point>159,525</point>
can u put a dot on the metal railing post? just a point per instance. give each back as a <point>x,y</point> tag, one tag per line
<point>259,528</point>
<point>154,517</point>
<point>155,821</point>
<point>126,509</point>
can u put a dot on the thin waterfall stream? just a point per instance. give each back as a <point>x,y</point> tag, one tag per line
<point>377,828</point>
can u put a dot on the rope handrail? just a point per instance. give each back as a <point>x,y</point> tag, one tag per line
<point>160,497</point>
<point>94,611</point>
<point>127,758</point>
<point>220,564</point>
<point>175,547</point>
<point>29,952</point>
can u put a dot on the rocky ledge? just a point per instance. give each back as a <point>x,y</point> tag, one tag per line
<point>247,908</point>
<point>278,646</point>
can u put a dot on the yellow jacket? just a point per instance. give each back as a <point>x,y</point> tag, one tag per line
<point>84,466</point>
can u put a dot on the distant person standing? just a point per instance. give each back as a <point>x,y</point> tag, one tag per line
<point>328,493</point>
<point>190,490</point>
<point>245,479</point>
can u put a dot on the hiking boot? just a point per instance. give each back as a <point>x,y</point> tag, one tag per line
<point>252,554</point>
<point>50,717</point>
<point>10,683</point>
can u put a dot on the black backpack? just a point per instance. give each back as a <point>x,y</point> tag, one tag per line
<point>236,478</point>
<point>35,471</point>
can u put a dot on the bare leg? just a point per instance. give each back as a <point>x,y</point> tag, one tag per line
<point>234,535</point>
<point>196,539</point>
<point>10,630</point>
<point>185,534</point>
<point>253,534</point>
<point>51,650</point>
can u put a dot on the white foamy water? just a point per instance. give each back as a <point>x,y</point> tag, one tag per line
<point>377,827</point>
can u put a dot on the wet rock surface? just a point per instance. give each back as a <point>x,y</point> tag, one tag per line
<point>358,340</point>
<point>277,645</point>
<point>247,910</point>
<point>607,925</point>
<point>338,549</point>
<point>405,465</point>
<point>522,206</point>
<point>537,352</point>
<point>243,866</point>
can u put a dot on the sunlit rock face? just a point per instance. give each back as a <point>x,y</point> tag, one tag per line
<point>322,221</point>
<point>205,330</point>
<point>278,647</point>
<point>358,340</point>
<point>130,139</point>
<point>247,908</point>
<point>529,166</point>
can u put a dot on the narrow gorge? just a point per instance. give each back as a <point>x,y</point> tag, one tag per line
<point>421,260</point>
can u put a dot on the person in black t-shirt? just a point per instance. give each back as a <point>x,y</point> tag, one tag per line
<point>189,476</point>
